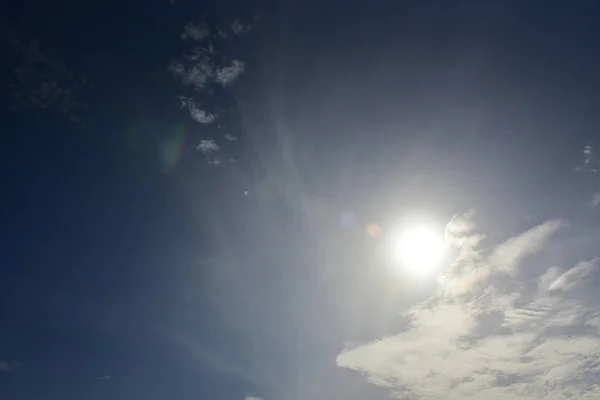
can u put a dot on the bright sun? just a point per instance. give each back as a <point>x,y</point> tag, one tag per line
<point>420,250</point>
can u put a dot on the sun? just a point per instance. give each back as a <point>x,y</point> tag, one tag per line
<point>420,250</point>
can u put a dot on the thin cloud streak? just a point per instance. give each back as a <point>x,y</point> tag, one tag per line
<point>571,278</point>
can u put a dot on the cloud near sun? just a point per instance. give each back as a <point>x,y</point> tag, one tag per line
<point>493,331</point>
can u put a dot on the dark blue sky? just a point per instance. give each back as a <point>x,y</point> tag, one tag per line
<point>174,177</point>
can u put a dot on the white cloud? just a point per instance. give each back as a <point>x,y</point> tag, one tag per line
<point>198,74</point>
<point>472,268</point>
<point>549,277</point>
<point>199,115</point>
<point>252,398</point>
<point>460,226</point>
<point>227,75</point>
<point>194,31</point>
<point>239,28</point>
<point>499,342</point>
<point>209,149</point>
<point>460,233</point>
<point>207,146</point>
<point>197,70</point>
<point>568,280</point>
<point>590,165</point>
<point>590,160</point>
<point>596,199</point>
<point>509,255</point>
<point>589,155</point>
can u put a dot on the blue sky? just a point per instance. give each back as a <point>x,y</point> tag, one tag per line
<point>199,199</point>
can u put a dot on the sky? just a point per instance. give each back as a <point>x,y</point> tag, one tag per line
<point>201,198</point>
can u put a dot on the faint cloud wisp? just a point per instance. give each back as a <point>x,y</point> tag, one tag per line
<point>227,75</point>
<point>39,80</point>
<point>590,166</point>
<point>6,366</point>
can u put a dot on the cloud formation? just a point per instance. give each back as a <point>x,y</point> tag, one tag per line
<point>238,28</point>
<point>199,115</point>
<point>596,199</point>
<point>6,366</point>
<point>40,81</point>
<point>590,165</point>
<point>207,70</point>
<point>471,269</point>
<point>197,72</point>
<point>502,336</point>
<point>509,255</point>
<point>590,160</point>
<point>228,74</point>
<point>209,148</point>
<point>571,278</point>
<point>194,31</point>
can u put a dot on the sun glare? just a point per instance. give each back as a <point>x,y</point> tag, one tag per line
<point>420,250</point>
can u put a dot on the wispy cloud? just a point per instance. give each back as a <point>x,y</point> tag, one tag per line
<point>473,268</point>
<point>196,73</point>
<point>596,199</point>
<point>205,71</point>
<point>460,233</point>
<point>508,338</point>
<point>571,278</point>
<point>195,31</point>
<point>6,366</point>
<point>509,255</point>
<point>239,28</point>
<point>590,165</point>
<point>199,115</point>
<point>209,149</point>
<point>39,81</point>
<point>228,74</point>
<point>590,159</point>
<point>207,146</point>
